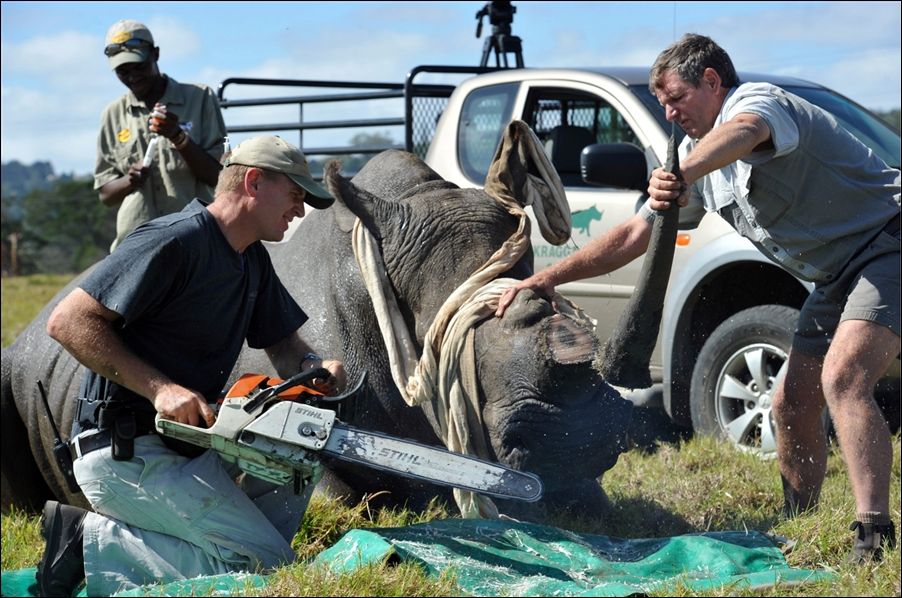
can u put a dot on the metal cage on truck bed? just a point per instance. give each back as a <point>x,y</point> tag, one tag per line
<point>423,104</point>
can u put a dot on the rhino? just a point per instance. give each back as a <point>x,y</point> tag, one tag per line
<point>537,403</point>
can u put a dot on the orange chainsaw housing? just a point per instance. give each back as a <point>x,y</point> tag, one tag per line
<point>248,383</point>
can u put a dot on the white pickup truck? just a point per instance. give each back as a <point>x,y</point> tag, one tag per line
<point>729,312</point>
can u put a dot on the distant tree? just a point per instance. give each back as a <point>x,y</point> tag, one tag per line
<point>10,226</point>
<point>18,179</point>
<point>40,247</point>
<point>65,229</point>
<point>351,163</point>
<point>367,139</point>
<point>893,118</point>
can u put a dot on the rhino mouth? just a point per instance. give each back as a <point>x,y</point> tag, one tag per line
<point>545,409</point>
<point>569,452</point>
<point>580,439</point>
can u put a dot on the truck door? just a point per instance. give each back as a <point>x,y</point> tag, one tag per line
<point>566,120</point>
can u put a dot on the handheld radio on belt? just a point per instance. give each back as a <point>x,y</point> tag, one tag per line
<point>60,449</point>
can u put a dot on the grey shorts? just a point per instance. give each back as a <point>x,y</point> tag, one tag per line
<point>867,289</point>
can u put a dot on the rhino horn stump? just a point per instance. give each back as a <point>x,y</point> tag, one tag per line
<point>627,353</point>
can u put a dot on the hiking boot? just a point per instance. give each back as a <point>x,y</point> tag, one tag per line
<point>870,540</point>
<point>62,568</point>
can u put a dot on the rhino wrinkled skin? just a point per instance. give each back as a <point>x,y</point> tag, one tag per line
<point>544,408</point>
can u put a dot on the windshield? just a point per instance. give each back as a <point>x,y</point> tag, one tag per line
<point>482,119</point>
<point>865,125</point>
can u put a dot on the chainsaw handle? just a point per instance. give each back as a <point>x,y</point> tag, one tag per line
<point>299,379</point>
<point>295,380</point>
<point>345,395</point>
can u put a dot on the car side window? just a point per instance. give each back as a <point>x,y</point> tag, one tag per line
<point>567,120</point>
<point>483,117</point>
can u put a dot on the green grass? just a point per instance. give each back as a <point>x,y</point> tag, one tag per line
<point>706,485</point>
<point>698,485</point>
<point>23,297</point>
<point>22,545</point>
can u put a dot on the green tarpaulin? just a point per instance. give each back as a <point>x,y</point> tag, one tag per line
<point>506,558</point>
<point>503,558</point>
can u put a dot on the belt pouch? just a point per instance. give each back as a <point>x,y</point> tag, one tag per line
<point>123,436</point>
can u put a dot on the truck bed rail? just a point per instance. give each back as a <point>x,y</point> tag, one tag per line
<point>423,103</point>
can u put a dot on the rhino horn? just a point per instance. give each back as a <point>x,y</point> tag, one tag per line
<point>627,354</point>
<point>352,202</point>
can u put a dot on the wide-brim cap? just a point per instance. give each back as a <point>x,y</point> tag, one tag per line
<point>123,31</point>
<point>277,155</point>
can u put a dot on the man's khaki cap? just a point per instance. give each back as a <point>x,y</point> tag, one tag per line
<point>275,154</point>
<point>124,38</point>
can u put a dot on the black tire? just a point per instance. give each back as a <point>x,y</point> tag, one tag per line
<point>736,373</point>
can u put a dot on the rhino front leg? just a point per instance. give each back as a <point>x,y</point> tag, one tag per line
<point>21,482</point>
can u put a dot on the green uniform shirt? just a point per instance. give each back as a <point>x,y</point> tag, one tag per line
<point>124,137</point>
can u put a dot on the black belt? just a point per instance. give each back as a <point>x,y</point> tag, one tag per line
<point>87,442</point>
<point>892,227</point>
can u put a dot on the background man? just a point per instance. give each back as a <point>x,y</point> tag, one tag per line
<point>160,323</point>
<point>817,201</point>
<point>184,162</point>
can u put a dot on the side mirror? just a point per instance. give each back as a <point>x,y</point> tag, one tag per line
<point>614,165</point>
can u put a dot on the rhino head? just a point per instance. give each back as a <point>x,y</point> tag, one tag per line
<point>546,408</point>
<point>539,405</point>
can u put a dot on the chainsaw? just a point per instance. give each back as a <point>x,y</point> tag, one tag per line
<point>279,431</point>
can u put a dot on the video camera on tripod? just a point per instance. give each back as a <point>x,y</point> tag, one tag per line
<point>501,16</point>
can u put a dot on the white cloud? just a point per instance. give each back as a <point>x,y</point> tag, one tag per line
<point>55,84</point>
<point>38,127</point>
<point>821,42</point>
<point>177,40</point>
<point>872,78</point>
<point>387,59</point>
<point>54,87</point>
<point>67,60</point>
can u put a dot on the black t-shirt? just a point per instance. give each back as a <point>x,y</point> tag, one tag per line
<point>188,300</point>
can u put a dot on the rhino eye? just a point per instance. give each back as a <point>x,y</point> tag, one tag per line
<point>568,341</point>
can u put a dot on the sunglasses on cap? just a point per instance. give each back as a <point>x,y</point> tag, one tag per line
<point>132,45</point>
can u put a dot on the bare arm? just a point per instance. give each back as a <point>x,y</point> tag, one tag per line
<point>731,141</point>
<point>86,328</point>
<point>203,166</point>
<point>287,356</point>
<point>621,245</point>
<point>725,144</point>
<point>112,193</point>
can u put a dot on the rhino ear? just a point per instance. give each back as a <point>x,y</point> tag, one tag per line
<point>343,216</point>
<point>352,202</point>
<point>522,172</point>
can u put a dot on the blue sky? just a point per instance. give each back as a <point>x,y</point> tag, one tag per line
<point>55,80</point>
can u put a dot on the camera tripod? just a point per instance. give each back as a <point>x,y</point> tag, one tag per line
<point>501,15</point>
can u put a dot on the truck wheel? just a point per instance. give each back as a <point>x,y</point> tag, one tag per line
<point>737,371</point>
